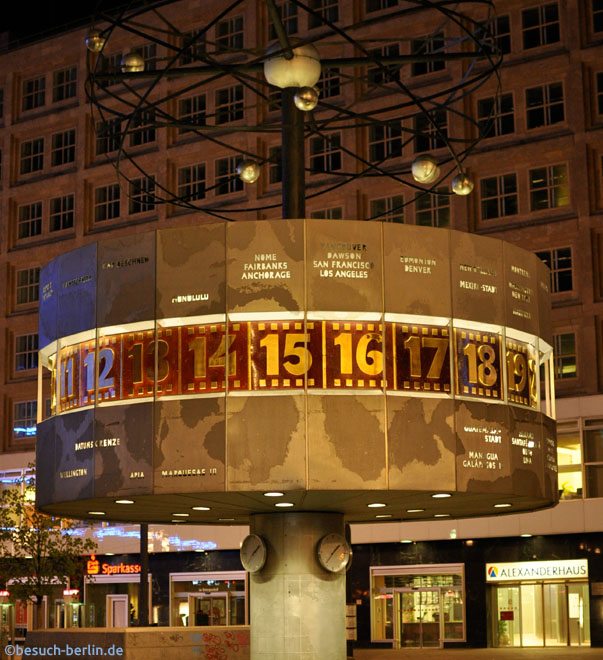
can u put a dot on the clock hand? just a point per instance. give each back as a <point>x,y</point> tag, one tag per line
<point>334,551</point>
<point>257,547</point>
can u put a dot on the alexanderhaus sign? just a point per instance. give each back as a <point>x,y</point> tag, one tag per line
<point>537,570</point>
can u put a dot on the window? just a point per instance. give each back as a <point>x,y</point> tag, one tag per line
<point>498,196</point>
<point>191,182</point>
<point>569,459</point>
<point>433,210</point>
<point>540,25</point>
<point>597,15</point>
<point>495,115</point>
<point>63,148</point>
<point>326,10</point>
<point>110,64</point>
<point>142,194</point>
<point>377,5</point>
<point>32,156</point>
<point>383,73</point>
<point>108,136</point>
<point>25,415</point>
<point>28,283</point>
<point>600,92</point>
<point>229,104</point>
<point>34,93</point>
<point>26,352</point>
<point>143,128</point>
<point>593,457</point>
<point>191,111</point>
<point>29,220</point>
<point>564,349</point>
<point>500,28</point>
<point>548,187</point>
<point>1,103</point>
<point>385,141</point>
<point>149,55</point>
<point>61,213</point>
<point>275,155</point>
<point>274,98</point>
<point>227,180</point>
<point>544,105</point>
<point>193,46</point>
<point>423,47</point>
<point>229,35</point>
<point>388,209</point>
<point>329,83</point>
<point>560,263</point>
<point>325,154</point>
<point>334,213</point>
<point>64,84</point>
<point>430,130</point>
<point>106,202</point>
<point>287,12</point>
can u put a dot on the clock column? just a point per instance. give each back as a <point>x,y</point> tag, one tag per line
<point>297,607</point>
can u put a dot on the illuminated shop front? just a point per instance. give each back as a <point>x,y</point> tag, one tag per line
<point>418,606</point>
<point>539,603</point>
<point>209,599</point>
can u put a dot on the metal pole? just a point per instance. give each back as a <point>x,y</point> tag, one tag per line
<point>293,160</point>
<point>143,587</point>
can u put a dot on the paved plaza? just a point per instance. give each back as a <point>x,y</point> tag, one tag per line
<point>577,653</point>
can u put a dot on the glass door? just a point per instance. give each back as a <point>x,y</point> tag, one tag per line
<point>507,628</point>
<point>208,610</point>
<point>578,614</point>
<point>418,618</point>
<point>532,629</point>
<point>555,614</point>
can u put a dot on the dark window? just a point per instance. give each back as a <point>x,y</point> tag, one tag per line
<point>327,10</point>
<point>598,15</point>
<point>64,84</point>
<point>379,74</point>
<point>227,180</point>
<point>600,92</point>
<point>1,103</point>
<point>142,194</point>
<point>25,415</point>
<point>325,154</point>
<point>540,25</point>
<point>329,83</point>
<point>191,182</point>
<point>426,46</point>
<point>229,104</point>
<point>287,12</point>
<point>29,220</point>
<point>63,148</point>
<point>275,155</point>
<point>495,115</point>
<point>433,210</point>
<point>193,45</point>
<point>385,141</point>
<point>191,112</point>
<point>108,136</point>
<point>149,55</point>
<point>431,130</point>
<point>544,105</point>
<point>564,349</point>
<point>229,35</point>
<point>34,93</point>
<point>61,213</point>
<point>28,285</point>
<point>548,187</point>
<point>498,196</point>
<point>110,64</point>
<point>143,128</point>
<point>32,156</point>
<point>274,98</point>
<point>501,30</point>
<point>560,263</point>
<point>26,352</point>
<point>334,213</point>
<point>377,5</point>
<point>106,202</point>
<point>388,209</point>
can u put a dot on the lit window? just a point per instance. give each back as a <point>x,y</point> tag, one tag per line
<point>329,83</point>
<point>25,415</point>
<point>108,136</point>
<point>26,352</point>
<point>495,115</point>
<point>565,355</point>
<point>64,84</point>
<point>433,210</point>
<point>143,128</point>
<point>28,284</point>
<point>61,213</point>
<point>326,10</point>
<point>275,155</point>
<point>229,104</point>
<point>32,156</point>
<point>106,202</point>
<point>325,154</point>
<point>498,196</point>
<point>287,12</point>
<point>540,25</point>
<point>227,180</point>
<point>229,35</point>
<point>431,130</point>
<point>63,148</point>
<point>544,105</point>
<point>560,263</point>
<point>191,182</point>
<point>142,194</point>
<point>597,15</point>
<point>34,93</point>
<point>387,209</point>
<point>334,213</point>
<point>548,187</point>
<point>29,220</point>
<point>385,141</point>
<point>379,74</point>
<point>569,459</point>
<point>191,113</point>
<point>427,46</point>
<point>378,5</point>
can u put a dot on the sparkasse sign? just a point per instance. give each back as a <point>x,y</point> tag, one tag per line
<point>537,570</point>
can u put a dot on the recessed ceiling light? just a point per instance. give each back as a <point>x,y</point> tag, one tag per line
<point>406,541</point>
<point>225,519</point>
<point>273,493</point>
<point>441,515</point>
<point>177,521</point>
<point>109,554</point>
<point>525,536</point>
<point>201,508</point>
<point>441,495</point>
<point>182,515</point>
<point>414,510</point>
<point>502,505</point>
<point>284,504</point>
<point>376,505</point>
<point>469,542</point>
<point>124,501</point>
<point>96,513</point>
<point>383,515</point>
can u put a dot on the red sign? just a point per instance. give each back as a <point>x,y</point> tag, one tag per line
<point>94,567</point>
<point>506,616</point>
<point>4,594</point>
<point>71,592</point>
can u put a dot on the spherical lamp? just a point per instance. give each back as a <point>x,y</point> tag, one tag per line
<point>133,62</point>
<point>462,184</point>
<point>248,171</point>
<point>302,70</point>
<point>95,41</point>
<point>425,169</point>
<point>306,99</point>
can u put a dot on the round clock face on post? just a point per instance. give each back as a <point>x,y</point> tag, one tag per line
<point>253,553</point>
<point>334,553</point>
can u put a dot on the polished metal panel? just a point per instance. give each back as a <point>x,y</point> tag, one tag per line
<point>527,461</point>
<point>45,469</point>
<point>77,291</point>
<point>544,302</point>
<point>521,289</point>
<point>74,456</point>
<point>49,302</point>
